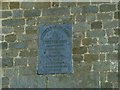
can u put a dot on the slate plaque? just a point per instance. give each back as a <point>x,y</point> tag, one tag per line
<point>55,49</point>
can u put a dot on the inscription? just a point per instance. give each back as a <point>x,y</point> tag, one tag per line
<point>55,47</point>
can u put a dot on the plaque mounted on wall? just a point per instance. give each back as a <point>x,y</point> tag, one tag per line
<point>55,49</point>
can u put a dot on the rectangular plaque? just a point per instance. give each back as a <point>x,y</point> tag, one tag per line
<point>55,49</point>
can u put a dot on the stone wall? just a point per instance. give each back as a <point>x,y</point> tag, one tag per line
<point>95,43</point>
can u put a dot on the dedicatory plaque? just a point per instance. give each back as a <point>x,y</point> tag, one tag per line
<point>55,49</point>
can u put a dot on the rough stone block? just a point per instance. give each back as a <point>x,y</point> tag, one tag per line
<point>96,33</point>
<point>80,50</point>
<point>110,24</point>
<point>11,72</point>
<point>10,38</point>
<point>5,81</point>
<point>33,53</point>
<point>31,21</point>
<point>90,57</point>
<point>80,18</point>
<point>4,45</point>
<point>107,7</point>
<point>81,4</point>
<point>106,85</point>
<point>18,30</point>
<point>55,4</point>
<point>113,77</point>
<point>112,56</point>
<point>76,42</point>
<point>109,32</point>
<point>13,22</point>
<point>7,30</point>
<point>113,40</point>
<point>10,53</point>
<point>117,15</point>
<point>17,13</point>
<point>7,62</point>
<point>117,31</point>
<point>6,14</point>
<point>31,70</point>
<point>104,16</point>
<point>27,5</point>
<point>96,25</point>
<point>32,13</point>
<point>101,66</point>
<point>89,41</point>
<point>17,45</point>
<point>55,11</point>
<point>41,5</point>
<point>67,4</point>
<point>14,5</point>
<point>90,9</point>
<point>77,58</point>
<point>106,48</point>
<point>21,62</point>
<point>94,49</point>
<point>24,53</point>
<point>5,5</point>
<point>102,57</point>
<point>23,37</point>
<point>32,61</point>
<point>76,10</point>
<point>103,40</point>
<point>82,26</point>
<point>90,17</point>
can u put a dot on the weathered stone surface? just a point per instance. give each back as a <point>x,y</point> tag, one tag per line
<point>13,22</point>
<point>17,13</point>
<point>107,7</point>
<point>19,30</point>
<point>80,18</point>
<point>41,5</point>
<point>10,38</point>
<point>104,16</point>
<point>90,17</point>
<point>106,48</point>
<point>96,25</point>
<point>27,5</point>
<point>89,41</point>
<point>113,76</point>
<point>10,53</point>
<point>17,45</point>
<point>102,57</point>
<point>32,61</point>
<point>112,56</point>
<point>96,33</point>
<point>94,49</point>
<point>3,45</point>
<point>55,4</point>
<point>90,57</point>
<point>117,31</point>
<point>7,30</point>
<point>117,15</point>
<point>67,4</point>
<point>11,72</point>
<point>90,9</point>
<point>109,32</point>
<point>82,26</point>
<point>106,85</point>
<point>31,70</point>
<point>76,42</point>
<point>27,82</point>
<point>24,53</point>
<point>21,62</point>
<point>112,40</point>
<point>14,5</point>
<point>31,21</point>
<point>103,40</point>
<point>5,80</point>
<point>4,5</point>
<point>76,10</point>
<point>7,62</point>
<point>101,66</point>
<point>77,58</point>
<point>110,24</point>
<point>80,50</point>
<point>32,13</point>
<point>55,11</point>
<point>6,14</point>
<point>33,53</point>
<point>81,4</point>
